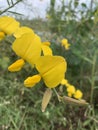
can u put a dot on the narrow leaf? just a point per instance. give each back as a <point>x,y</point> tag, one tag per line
<point>14,12</point>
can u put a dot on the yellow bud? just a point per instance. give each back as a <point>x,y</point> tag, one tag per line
<point>71,89</point>
<point>16,66</point>
<point>31,81</point>
<point>78,94</point>
<point>64,82</point>
<point>68,85</point>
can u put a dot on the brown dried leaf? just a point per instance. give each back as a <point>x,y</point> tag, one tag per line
<point>69,100</point>
<point>46,98</point>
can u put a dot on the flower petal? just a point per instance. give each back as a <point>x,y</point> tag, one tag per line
<point>2,35</point>
<point>22,30</point>
<point>46,50</point>
<point>8,24</point>
<point>31,81</point>
<point>52,69</point>
<point>28,46</point>
<point>16,66</point>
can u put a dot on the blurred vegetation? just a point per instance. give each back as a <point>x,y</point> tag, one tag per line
<point>20,108</point>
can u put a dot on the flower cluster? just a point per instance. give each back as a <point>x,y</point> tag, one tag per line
<point>29,47</point>
<point>65,43</point>
<point>72,92</point>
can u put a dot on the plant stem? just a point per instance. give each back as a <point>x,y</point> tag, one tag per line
<point>58,96</point>
<point>93,78</point>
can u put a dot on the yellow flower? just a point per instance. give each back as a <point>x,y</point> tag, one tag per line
<point>8,24</point>
<point>31,81</point>
<point>52,69</point>
<point>22,30</point>
<point>16,66</point>
<point>71,89</point>
<point>28,47</point>
<point>78,94</point>
<point>65,43</point>
<point>2,35</point>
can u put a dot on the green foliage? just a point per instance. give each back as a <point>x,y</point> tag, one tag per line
<point>20,110</point>
<point>4,62</point>
<point>80,28</point>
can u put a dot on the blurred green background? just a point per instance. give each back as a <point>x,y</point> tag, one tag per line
<point>20,107</point>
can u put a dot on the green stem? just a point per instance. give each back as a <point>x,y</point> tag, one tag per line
<point>93,80</point>
<point>58,96</point>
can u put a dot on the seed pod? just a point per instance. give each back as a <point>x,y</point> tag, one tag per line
<point>46,98</point>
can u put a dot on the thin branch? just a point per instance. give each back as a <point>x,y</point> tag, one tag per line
<point>91,5</point>
<point>10,7</point>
